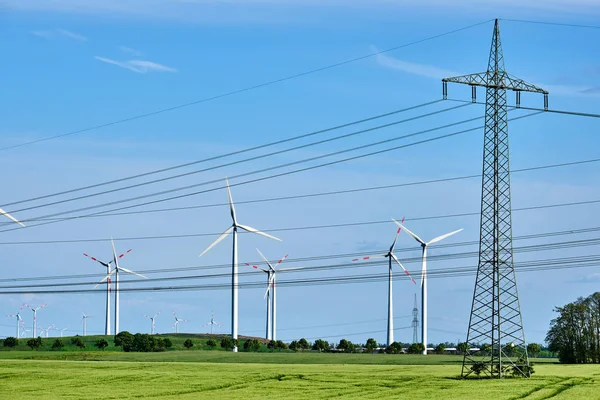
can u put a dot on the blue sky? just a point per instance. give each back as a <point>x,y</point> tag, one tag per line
<point>76,64</point>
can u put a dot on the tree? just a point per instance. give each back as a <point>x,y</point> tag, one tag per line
<point>485,349</point>
<point>124,340</point>
<point>346,346</point>
<point>228,343</point>
<point>78,342</point>
<point>415,348</point>
<point>143,342</point>
<point>320,345</point>
<point>462,348</point>
<point>371,345</point>
<point>211,343</point>
<point>440,348</point>
<point>101,344</point>
<point>188,344</point>
<point>169,344</point>
<point>303,344</point>
<point>58,344</point>
<point>11,342</point>
<point>294,345</point>
<point>394,348</point>
<point>533,349</point>
<point>251,345</point>
<point>35,344</point>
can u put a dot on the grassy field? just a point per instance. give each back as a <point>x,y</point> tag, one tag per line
<point>32,379</point>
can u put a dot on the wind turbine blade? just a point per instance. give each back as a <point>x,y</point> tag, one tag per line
<point>418,239</point>
<point>11,217</point>
<point>132,273</point>
<point>98,261</point>
<point>437,239</point>
<point>256,267</point>
<point>267,261</point>
<point>396,238</point>
<point>121,256</point>
<point>223,235</point>
<point>231,207</point>
<point>369,257</point>
<point>269,284</point>
<point>402,266</point>
<point>280,261</point>
<point>250,229</point>
<point>105,278</point>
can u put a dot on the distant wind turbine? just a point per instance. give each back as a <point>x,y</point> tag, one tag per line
<point>390,256</point>
<point>35,310</point>
<point>424,277</point>
<point>84,322</point>
<point>62,330</point>
<point>152,327</point>
<point>234,263</point>
<point>19,319</point>
<point>177,321</point>
<point>109,272</point>
<point>212,323</point>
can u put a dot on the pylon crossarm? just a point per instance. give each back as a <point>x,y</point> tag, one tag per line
<point>499,80</point>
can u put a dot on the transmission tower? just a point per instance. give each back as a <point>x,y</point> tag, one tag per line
<point>495,325</point>
<point>415,322</point>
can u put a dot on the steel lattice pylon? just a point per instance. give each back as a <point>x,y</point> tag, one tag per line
<point>495,338</point>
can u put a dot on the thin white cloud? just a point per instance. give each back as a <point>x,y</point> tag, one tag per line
<point>138,66</point>
<point>428,71</point>
<point>49,34</point>
<point>129,50</point>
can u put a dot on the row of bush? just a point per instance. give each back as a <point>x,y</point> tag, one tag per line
<point>58,344</point>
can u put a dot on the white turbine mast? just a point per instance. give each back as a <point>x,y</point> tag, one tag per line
<point>212,322</point>
<point>270,295</point>
<point>116,271</point>
<point>424,277</point>
<point>177,321</point>
<point>153,325</point>
<point>234,263</point>
<point>11,217</point>
<point>19,320</point>
<point>84,322</point>
<point>390,256</point>
<point>108,282</point>
<point>35,310</point>
<point>63,329</point>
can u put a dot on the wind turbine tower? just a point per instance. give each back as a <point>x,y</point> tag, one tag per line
<point>495,310</point>
<point>391,257</point>
<point>424,278</point>
<point>35,310</point>
<point>108,283</point>
<point>234,262</point>
<point>19,320</point>
<point>84,322</point>
<point>153,326</point>
<point>415,322</point>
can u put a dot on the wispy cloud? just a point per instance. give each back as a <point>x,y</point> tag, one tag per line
<point>138,66</point>
<point>129,50</point>
<point>428,71</point>
<point>59,32</point>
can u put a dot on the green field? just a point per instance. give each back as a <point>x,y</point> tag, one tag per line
<point>191,374</point>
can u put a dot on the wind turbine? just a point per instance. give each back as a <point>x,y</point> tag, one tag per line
<point>19,319</point>
<point>108,282</point>
<point>270,295</point>
<point>62,330</point>
<point>152,320</point>
<point>23,329</point>
<point>47,330</point>
<point>212,322</point>
<point>116,271</point>
<point>390,256</point>
<point>234,263</point>
<point>424,278</point>
<point>11,217</point>
<point>177,321</point>
<point>35,316</point>
<point>84,322</point>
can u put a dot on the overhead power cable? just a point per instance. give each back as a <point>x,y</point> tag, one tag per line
<point>218,157</point>
<point>530,266</point>
<point>550,111</point>
<point>248,88</point>
<point>269,169</point>
<point>346,191</point>
<point>330,267</point>
<point>568,25</point>
<point>238,162</point>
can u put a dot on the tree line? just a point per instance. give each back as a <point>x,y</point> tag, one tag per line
<point>575,333</point>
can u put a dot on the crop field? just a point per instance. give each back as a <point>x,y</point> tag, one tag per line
<point>32,379</point>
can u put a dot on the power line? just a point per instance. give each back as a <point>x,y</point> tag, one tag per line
<point>330,267</point>
<point>550,23</point>
<point>247,89</point>
<point>346,191</point>
<point>234,153</point>
<point>237,162</point>
<point>269,169</point>
<point>551,111</point>
<point>540,265</point>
